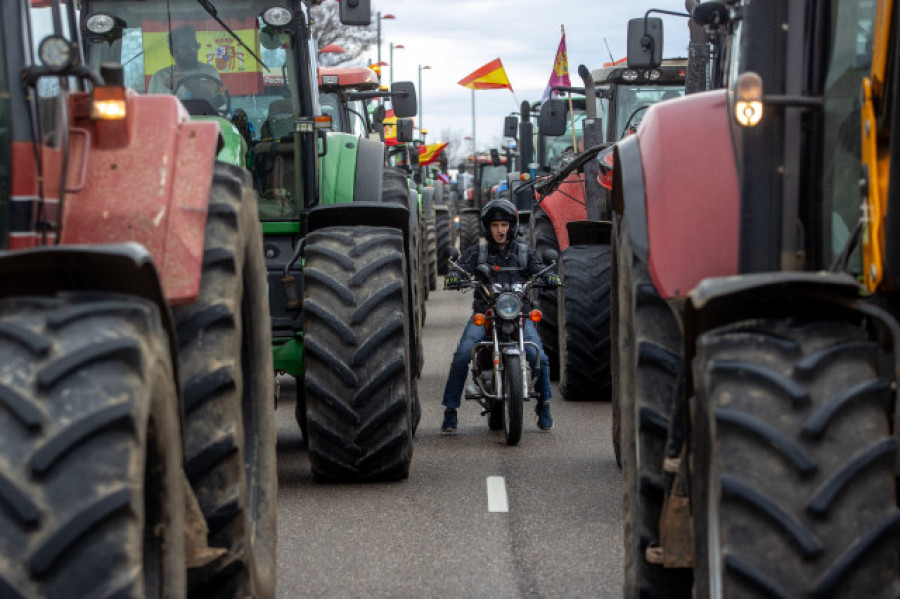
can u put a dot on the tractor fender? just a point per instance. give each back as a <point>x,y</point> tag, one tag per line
<point>564,205</point>
<point>682,207</point>
<point>126,268</point>
<point>369,165</point>
<point>152,189</point>
<point>718,301</point>
<point>337,169</point>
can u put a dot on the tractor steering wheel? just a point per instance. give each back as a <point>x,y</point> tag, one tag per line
<point>220,101</point>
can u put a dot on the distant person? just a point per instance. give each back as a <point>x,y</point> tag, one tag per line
<point>184,46</point>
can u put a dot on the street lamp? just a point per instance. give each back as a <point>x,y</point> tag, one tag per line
<point>388,17</point>
<point>398,47</point>
<point>421,125</point>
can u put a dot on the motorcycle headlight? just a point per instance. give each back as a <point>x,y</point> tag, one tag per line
<point>508,306</point>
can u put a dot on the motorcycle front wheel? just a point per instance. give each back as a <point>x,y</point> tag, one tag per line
<point>512,400</point>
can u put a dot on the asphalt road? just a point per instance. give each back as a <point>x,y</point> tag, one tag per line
<point>433,535</point>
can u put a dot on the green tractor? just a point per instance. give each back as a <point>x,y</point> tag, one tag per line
<point>339,243</point>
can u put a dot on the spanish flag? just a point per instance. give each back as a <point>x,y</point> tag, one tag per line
<point>429,153</point>
<point>490,76</point>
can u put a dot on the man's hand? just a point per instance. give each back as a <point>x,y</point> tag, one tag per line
<point>451,280</point>
<point>552,281</point>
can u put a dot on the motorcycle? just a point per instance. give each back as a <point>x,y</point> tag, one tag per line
<point>502,378</point>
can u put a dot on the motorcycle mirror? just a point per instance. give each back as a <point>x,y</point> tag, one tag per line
<point>453,253</point>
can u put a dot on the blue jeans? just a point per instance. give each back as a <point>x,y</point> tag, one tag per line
<point>459,367</point>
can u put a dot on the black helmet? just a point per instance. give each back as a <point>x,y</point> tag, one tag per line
<point>499,209</point>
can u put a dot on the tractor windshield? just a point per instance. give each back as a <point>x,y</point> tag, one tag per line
<point>491,176</point>
<point>632,103</point>
<point>848,62</point>
<point>228,64</point>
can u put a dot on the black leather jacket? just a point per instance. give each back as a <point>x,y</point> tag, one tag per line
<point>508,257</point>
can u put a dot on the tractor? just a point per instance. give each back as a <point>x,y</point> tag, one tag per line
<point>136,388</point>
<point>338,239</point>
<point>489,170</point>
<point>756,314</point>
<point>573,213</point>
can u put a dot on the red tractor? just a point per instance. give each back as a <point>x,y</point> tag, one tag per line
<point>755,320</point>
<point>136,391</point>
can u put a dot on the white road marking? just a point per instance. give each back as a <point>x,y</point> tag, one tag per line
<point>496,492</point>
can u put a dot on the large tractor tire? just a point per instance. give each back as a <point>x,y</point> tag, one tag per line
<point>358,376</point>
<point>444,238</point>
<point>793,463</point>
<point>469,230</point>
<point>395,190</point>
<point>429,198</point>
<point>92,498</point>
<point>650,362</point>
<point>225,367</point>
<point>584,323</point>
<point>542,236</point>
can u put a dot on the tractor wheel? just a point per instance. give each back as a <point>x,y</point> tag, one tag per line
<point>617,298</point>
<point>584,323</point>
<point>542,236</point>
<point>91,468</point>
<point>444,238</point>
<point>650,362</point>
<point>469,230</point>
<point>358,389</point>
<point>225,367</point>
<point>432,255</point>
<point>794,487</point>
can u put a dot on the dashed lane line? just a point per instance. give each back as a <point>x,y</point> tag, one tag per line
<point>496,493</point>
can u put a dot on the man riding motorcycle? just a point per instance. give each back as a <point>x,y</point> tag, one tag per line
<point>517,261</point>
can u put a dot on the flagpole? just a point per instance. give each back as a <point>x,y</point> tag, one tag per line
<point>474,152</point>
<point>562,28</point>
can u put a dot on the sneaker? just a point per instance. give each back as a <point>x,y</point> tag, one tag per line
<point>449,425</point>
<point>545,421</point>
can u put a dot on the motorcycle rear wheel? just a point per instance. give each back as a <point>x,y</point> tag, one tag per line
<point>512,401</point>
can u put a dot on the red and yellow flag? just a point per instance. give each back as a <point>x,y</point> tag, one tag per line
<point>490,76</point>
<point>430,153</point>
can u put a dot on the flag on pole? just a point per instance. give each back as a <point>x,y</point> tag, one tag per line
<point>429,153</point>
<point>560,74</point>
<point>490,76</point>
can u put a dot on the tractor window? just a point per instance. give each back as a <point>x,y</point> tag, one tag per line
<point>243,67</point>
<point>848,62</point>
<point>330,104</point>
<point>553,148</point>
<point>632,103</point>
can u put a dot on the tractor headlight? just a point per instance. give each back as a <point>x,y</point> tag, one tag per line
<point>508,306</point>
<point>100,23</point>
<point>277,16</point>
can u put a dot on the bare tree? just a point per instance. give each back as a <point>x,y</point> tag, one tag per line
<point>327,29</point>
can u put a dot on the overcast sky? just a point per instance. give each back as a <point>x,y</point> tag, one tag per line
<point>455,37</point>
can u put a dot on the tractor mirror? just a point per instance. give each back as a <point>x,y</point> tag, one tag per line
<point>356,12</point>
<point>404,130</point>
<point>378,114</point>
<point>403,99</point>
<point>552,121</point>
<point>645,43</point>
<point>495,157</point>
<point>510,126</point>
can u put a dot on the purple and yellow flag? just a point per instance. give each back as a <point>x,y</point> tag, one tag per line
<point>560,74</point>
